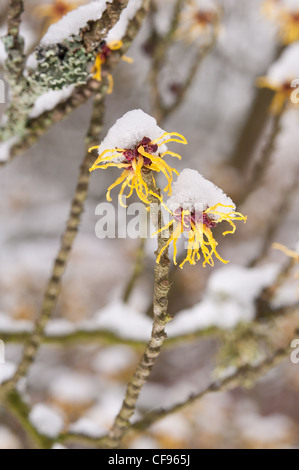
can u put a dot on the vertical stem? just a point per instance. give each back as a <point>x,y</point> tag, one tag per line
<point>158,335</point>
<point>165,111</point>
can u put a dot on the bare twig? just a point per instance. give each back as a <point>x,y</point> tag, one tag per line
<point>165,111</point>
<point>104,337</point>
<point>160,47</point>
<point>243,376</point>
<point>20,410</point>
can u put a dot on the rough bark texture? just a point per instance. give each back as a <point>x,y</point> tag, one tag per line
<point>158,335</point>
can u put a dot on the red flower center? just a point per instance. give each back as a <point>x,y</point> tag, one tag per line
<point>133,154</point>
<point>194,217</point>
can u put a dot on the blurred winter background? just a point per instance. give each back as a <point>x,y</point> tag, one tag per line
<point>78,383</point>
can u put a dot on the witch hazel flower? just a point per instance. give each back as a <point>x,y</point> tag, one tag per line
<point>281,77</point>
<point>135,143</point>
<point>285,13</point>
<point>199,18</point>
<point>197,206</point>
<point>103,54</point>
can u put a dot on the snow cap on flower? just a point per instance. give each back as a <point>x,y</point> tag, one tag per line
<point>197,206</point>
<point>136,144</point>
<point>129,130</point>
<point>286,68</point>
<point>191,188</point>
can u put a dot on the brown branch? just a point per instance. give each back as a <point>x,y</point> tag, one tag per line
<point>160,47</point>
<point>244,376</point>
<point>20,410</point>
<point>165,111</point>
<point>158,335</point>
<point>95,31</point>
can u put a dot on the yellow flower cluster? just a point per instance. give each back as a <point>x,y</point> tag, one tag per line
<point>148,155</point>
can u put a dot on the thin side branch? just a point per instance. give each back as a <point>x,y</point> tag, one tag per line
<point>20,410</point>
<point>244,376</point>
